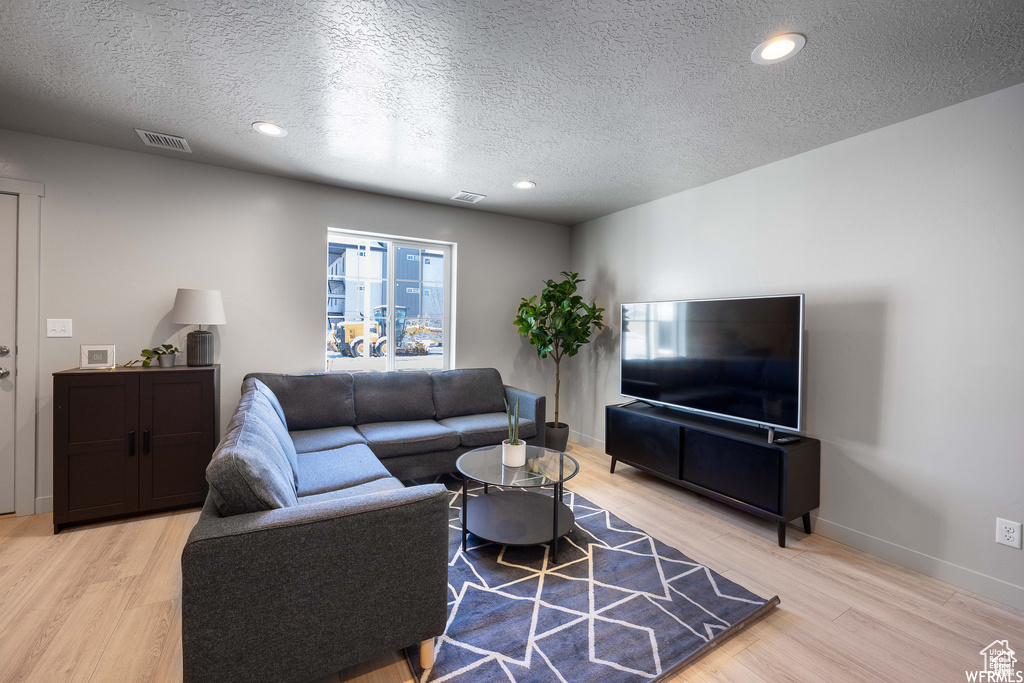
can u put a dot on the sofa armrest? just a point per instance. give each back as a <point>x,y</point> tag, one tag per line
<point>531,407</point>
<point>296,593</point>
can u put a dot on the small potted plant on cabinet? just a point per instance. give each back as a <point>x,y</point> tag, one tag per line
<point>163,353</point>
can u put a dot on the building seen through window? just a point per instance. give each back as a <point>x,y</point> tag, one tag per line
<point>386,303</point>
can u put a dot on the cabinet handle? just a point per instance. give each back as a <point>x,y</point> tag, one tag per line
<point>131,444</point>
<point>145,442</point>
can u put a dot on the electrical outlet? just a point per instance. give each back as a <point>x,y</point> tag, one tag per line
<point>1007,532</point>
<point>58,327</point>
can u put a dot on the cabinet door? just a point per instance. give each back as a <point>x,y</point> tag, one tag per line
<point>95,423</point>
<point>747,472</point>
<point>645,441</point>
<point>176,418</point>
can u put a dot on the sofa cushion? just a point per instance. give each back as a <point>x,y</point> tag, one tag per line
<point>268,409</point>
<point>467,391</point>
<point>375,486</point>
<point>270,395</point>
<point>249,471</point>
<point>388,439</point>
<point>307,440</point>
<point>341,468</point>
<point>487,429</point>
<point>314,401</point>
<point>393,396</point>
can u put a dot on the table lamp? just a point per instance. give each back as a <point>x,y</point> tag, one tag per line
<point>199,307</point>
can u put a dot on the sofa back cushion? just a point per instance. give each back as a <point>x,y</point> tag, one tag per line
<point>469,391</point>
<point>393,396</point>
<point>250,470</point>
<point>262,399</point>
<point>314,401</point>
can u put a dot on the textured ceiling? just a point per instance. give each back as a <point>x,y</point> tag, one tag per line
<point>604,103</point>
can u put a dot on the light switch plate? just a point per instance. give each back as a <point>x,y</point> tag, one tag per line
<point>58,327</point>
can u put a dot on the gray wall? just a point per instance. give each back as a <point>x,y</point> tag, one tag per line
<point>908,242</point>
<point>122,231</point>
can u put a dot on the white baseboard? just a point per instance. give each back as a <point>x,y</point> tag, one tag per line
<point>44,504</point>
<point>962,577</point>
<point>585,440</point>
<point>969,579</point>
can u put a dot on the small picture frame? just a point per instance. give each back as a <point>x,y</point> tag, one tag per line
<point>97,357</point>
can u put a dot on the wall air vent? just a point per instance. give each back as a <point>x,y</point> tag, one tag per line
<point>468,197</point>
<point>163,140</point>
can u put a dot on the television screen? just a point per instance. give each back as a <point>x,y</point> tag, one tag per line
<point>739,359</point>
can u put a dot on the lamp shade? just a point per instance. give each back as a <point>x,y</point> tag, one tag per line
<point>198,307</point>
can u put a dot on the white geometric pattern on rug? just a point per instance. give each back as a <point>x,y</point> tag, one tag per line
<point>620,606</point>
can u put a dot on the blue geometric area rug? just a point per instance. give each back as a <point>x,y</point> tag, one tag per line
<point>620,606</point>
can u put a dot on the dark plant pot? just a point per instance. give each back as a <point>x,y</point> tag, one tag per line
<point>556,437</point>
<point>166,360</point>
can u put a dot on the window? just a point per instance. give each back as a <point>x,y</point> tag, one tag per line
<point>376,283</point>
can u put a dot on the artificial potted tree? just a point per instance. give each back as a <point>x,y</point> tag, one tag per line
<point>559,324</point>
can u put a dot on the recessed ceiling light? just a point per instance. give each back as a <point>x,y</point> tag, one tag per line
<point>268,128</point>
<point>778,49</point>
<point>524,184</point>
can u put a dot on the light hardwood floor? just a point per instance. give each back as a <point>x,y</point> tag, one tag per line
<point>102,603</point>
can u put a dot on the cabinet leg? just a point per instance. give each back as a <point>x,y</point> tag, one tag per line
<point>782,534</point>
<point>807,522</point>
<point>612,470</point>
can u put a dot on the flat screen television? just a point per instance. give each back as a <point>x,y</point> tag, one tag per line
<point>739,359</point>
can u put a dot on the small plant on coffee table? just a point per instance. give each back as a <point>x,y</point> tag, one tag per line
<point>513,423</point>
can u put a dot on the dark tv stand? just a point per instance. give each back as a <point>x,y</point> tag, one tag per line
<point>728,462</point>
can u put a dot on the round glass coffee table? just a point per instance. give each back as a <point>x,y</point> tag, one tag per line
<point>517,517</point>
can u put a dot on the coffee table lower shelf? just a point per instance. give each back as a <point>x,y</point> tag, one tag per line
<point>517,518</point>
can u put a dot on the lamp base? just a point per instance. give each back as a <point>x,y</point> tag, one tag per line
<point>200,348</point>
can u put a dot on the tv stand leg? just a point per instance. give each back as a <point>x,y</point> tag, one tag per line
<point>612,470</point>
<point>807,522</point>
<point>782,534</point>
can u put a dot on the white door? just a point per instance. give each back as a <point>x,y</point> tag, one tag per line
<point>8,301</point>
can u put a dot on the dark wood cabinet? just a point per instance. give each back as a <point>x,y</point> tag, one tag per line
<point>131,440</point>
<point>728,462</point>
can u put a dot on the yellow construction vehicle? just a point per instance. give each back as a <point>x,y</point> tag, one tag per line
<point>346,338</point>
<point>349,339</point>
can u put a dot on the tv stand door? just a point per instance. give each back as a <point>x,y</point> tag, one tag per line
<point>733,468</point>
<point>637,439</point>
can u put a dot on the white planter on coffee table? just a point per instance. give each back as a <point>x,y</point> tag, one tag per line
<point>513,456</point>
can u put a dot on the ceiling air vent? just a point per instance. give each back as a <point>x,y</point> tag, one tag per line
<point>163,140</point>
<point>468,197</point>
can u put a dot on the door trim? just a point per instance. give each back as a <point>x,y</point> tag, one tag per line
<point>26,388</point>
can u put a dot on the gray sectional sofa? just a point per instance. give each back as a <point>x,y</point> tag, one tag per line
<point>310,554</point>
<point>417,423</point>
